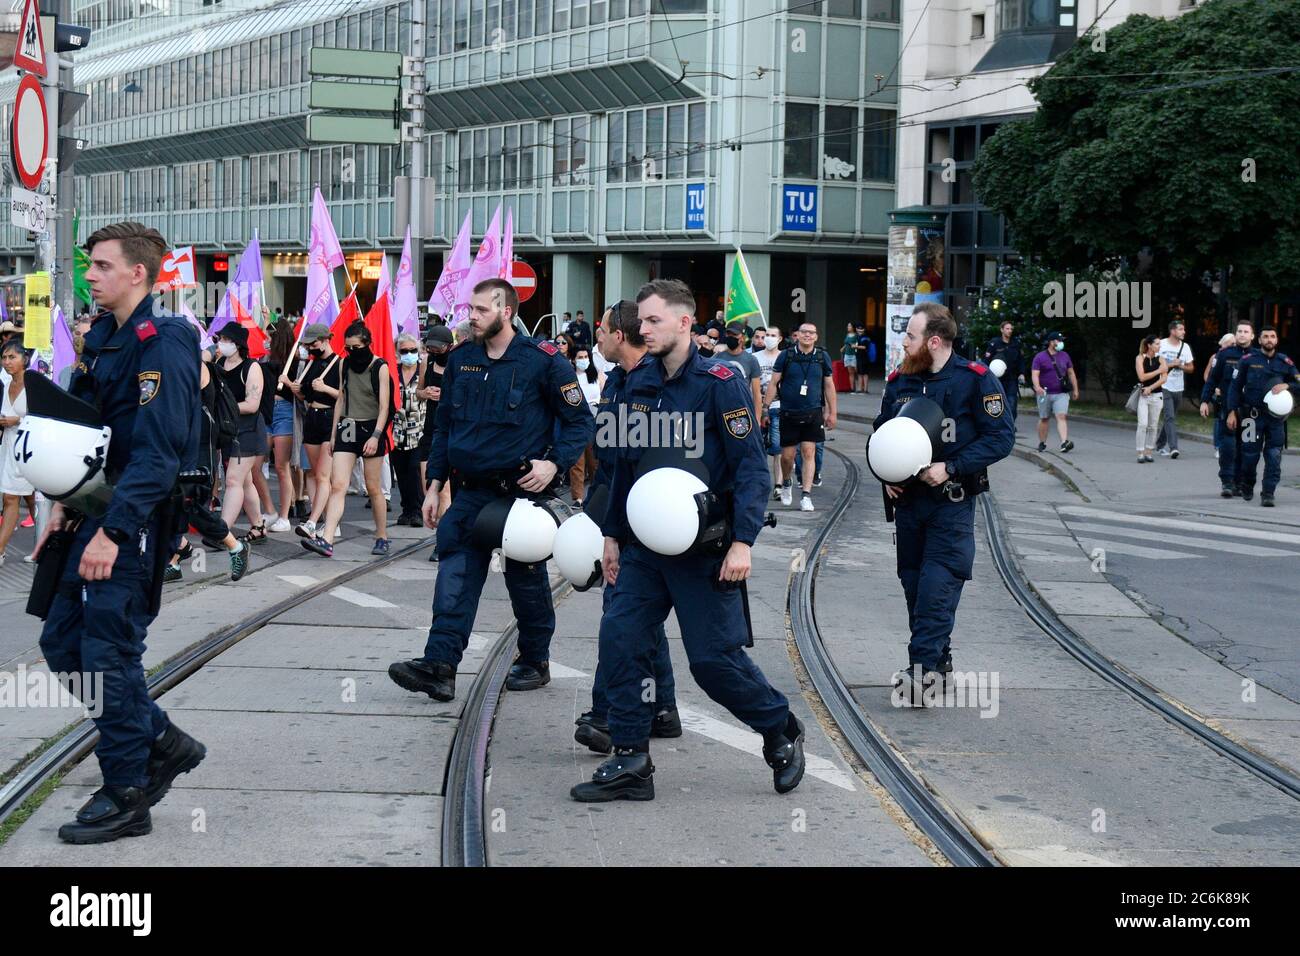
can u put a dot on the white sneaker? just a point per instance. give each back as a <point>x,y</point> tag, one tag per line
<point>28,559</point>
<point>279,525</point>
<point>269,519</point>
<point>787,495</point>
<point>806,504</point>
<point>1164,453</point>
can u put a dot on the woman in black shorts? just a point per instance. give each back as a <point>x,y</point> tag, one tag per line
<point>318,389</point>
<point>243,377</point>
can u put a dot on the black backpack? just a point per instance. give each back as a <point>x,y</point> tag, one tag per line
<point>223,416</point>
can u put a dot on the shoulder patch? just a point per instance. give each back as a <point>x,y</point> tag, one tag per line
<point>892,376</point>
<point>1288,361</point>
<point>721,371</point>
<point>739,422</point>
<point>145,330</point>
<point>549,348</point>
<point>993,406</point>
<point>150,384</point>
<point>977,368</point>
<point>572,394</point>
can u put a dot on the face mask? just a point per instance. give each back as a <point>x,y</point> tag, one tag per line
<point>411,358</point>
<point>303,353</point>
<point>359,359</point>
<point>316,351</point>
<point>772,343</point>
<point>582,365</point>
<point>1060,344</point>
<point>226,349</point>
<point>733,342</point>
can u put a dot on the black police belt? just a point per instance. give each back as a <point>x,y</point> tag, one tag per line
<point>503,483</point>
<point>955,490</point>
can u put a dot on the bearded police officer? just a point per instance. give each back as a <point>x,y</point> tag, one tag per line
<point>1006,349</point>
<point>496,436</point>
<point>140,368</point>
<point>619,334</point>
<point>1255,409</point>
<point>1214,397</point>
<point>935,514</point>
<point>701,585</point>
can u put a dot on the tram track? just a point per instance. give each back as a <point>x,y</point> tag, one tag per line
<point>80,739</point>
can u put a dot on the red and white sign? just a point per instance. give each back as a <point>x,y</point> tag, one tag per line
<point>524,279</point>
<point>29,139</point>
<point>177,269</point>
<point>29,52</point>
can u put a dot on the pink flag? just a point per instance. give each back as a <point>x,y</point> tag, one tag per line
<point>323,256</point>
<point>385,280</point>
<point>205,340</point>
<point>443,300</point>
<point>406,313</point>
<point>323,234</point>
<point>508,245</point>
<point>65,353</point>
<point>487,265</point>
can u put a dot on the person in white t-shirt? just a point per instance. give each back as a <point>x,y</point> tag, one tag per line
<point>767,346</point>
<point>1178,359</point>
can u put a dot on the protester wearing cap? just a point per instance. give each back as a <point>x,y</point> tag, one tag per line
<point>318,390</point>
<point>1054,385</point>
<point>438,341</point>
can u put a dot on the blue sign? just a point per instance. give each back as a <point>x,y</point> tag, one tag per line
<point>695,205</point>
<point>799,209</point>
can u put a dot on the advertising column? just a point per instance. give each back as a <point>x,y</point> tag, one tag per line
<point>916,259</point>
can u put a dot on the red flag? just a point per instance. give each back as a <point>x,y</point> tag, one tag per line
<point>379,321</point>
<point>257,340</point>
<point>349,312</point>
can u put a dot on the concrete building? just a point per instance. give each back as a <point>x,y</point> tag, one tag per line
<point>632,139</point>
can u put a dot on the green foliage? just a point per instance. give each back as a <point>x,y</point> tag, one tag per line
<point>1138,154</point>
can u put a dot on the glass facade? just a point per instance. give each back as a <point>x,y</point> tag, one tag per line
<point>827,142</point>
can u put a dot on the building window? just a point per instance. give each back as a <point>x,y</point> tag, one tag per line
<point>656,143</point>
<point>839,159</point>
<point>1035,16</point>
<point>571,147</point>
<point>495,158</point>
<point>800,140</point>
<point>976,26</point>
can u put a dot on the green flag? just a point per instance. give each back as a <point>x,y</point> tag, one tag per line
<point>80,262</point>
<point>742,302</point>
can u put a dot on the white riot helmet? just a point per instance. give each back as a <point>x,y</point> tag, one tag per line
<point>1281,404</point>
<point>523,529</point>
<point>579,546</point>
<point>62,448</point>
<point>668,508</point>
<point>906,444</point>
<point>998,367</point>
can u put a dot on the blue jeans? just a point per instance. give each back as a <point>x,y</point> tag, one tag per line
<point>798,461</point>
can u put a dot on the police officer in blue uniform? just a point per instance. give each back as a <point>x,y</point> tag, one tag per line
<point>935,516</point>
<point>140,367</point>
<point>621,342</point>
<point>646,585</point>
<point>1007,347</point>
<point>1214,397</point>
<point>1258,374</point>
<point>501,396</point>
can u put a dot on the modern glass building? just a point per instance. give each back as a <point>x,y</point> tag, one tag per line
<point>631,138</point>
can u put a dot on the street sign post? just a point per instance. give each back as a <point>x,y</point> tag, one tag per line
<point>29,141</point>
<point>371,64</point>
<point>28,210</point>
<point>332,128</point>
<point>29,53</point>
<point>370,97</point>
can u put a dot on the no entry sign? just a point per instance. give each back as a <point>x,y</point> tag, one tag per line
<point>524,279</point>
<point>29,139</point>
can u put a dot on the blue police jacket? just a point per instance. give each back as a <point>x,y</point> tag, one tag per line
<point>1255,377</point>
<point>1009,352</point>
<point>798,369</point>
<point>972,397</point>
<point>607,435</point>
<point>731,448</point>
<point>144,377</point>
<point>495,413</point>
<point>1225,365</point>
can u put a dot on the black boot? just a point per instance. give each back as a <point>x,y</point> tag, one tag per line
<point>436,679</point>
<point>1266,499</point>
<point>175,753</point>
<point>593,733</point>
<point>1227,491</point>
<point>628,775</point>
<point>666,723</point>
<point>912,683</point>
<point>1247,494</point>
<point>784,754</point>
<point>525,676</point>
<point>112,813</point>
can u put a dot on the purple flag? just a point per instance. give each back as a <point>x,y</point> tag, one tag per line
<point>406,314</point>
<point>323,257</point>
<point>247,282</point>
<point>486,265</point>
<point>443,300</point>
<point>65,354</point>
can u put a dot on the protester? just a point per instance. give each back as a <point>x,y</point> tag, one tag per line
<point>243,377</point>
<point>1177,356</point>
<point>742,362</point>
<point>770,413</point>
<point>592,384</point>
<point>1051,371</point>
<point>849,351</point>
<point>862,361</point>
<point>437,343</point>
<point>279,367</point>
<point>1151,375</point>
<point>408,432</point>
<point>13,406</point>
<point>318,390</point>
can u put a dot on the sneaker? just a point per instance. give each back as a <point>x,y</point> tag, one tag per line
<point>1042,446</point>
<point>381,546</point>
<point>1247,494</point>
<point>806,504</point>
<point>238,562</point>
<point>1227,491</point>
<point>171,573</point>
<point>1174,453</point>
<point>817,481</point>
<point>1166,453</point>
<point>787,495</point>
<point>319,545</point>
<point>1067,445</point>
<point>776,493</point>
<point>28,522</point>
<point>306,530</point>
<point>279,525</point>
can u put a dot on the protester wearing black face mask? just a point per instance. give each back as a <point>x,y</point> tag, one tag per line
<point>743,363</point>
<point>319,390</point>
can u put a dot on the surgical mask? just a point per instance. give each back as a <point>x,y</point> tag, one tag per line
<point>303,353</point>
<point>226,349</point>
<point>1060,344</point>
<point>771,343</point>
<point>582,365</point>
<point>411,358</point>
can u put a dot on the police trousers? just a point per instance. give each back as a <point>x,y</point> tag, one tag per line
<point>936,554</point>
<point>713,631</point>
<point>97,629</point>
<point>1264,435</point>
<point>462,571</point>
<point>665,685</point>
<point>1228,443</point>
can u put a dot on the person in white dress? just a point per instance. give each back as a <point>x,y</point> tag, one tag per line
<point>13,406</point>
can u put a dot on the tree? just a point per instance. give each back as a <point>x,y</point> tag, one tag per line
<point>1168,146</point>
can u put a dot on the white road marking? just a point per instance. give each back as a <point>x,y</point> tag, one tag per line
<point>399,573</point>
<point>1215,544</point>
<point>298,580</point>
<point>1201,527</point>
<point>359,598</point>
<point>559,671</point>
<point>1123,547</point>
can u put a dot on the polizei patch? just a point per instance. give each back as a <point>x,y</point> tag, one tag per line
<point>150,383</point>
<point>993,405</point>
<point>739,424</point>
<point>572,394</point>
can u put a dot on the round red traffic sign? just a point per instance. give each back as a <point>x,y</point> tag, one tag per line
<point>524,279</point>
<point>29,140</point>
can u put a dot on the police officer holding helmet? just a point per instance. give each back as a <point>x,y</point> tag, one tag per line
<point>1257,407</point>
<point>502,394</point>
<point>935,513</point>
<point>1006,348</point>
<point>1214,397</point>
<point>140,368</point>
<point>646,584</point>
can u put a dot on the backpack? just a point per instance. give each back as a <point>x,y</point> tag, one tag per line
<point>269,384</point>
<point>223,416</point>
